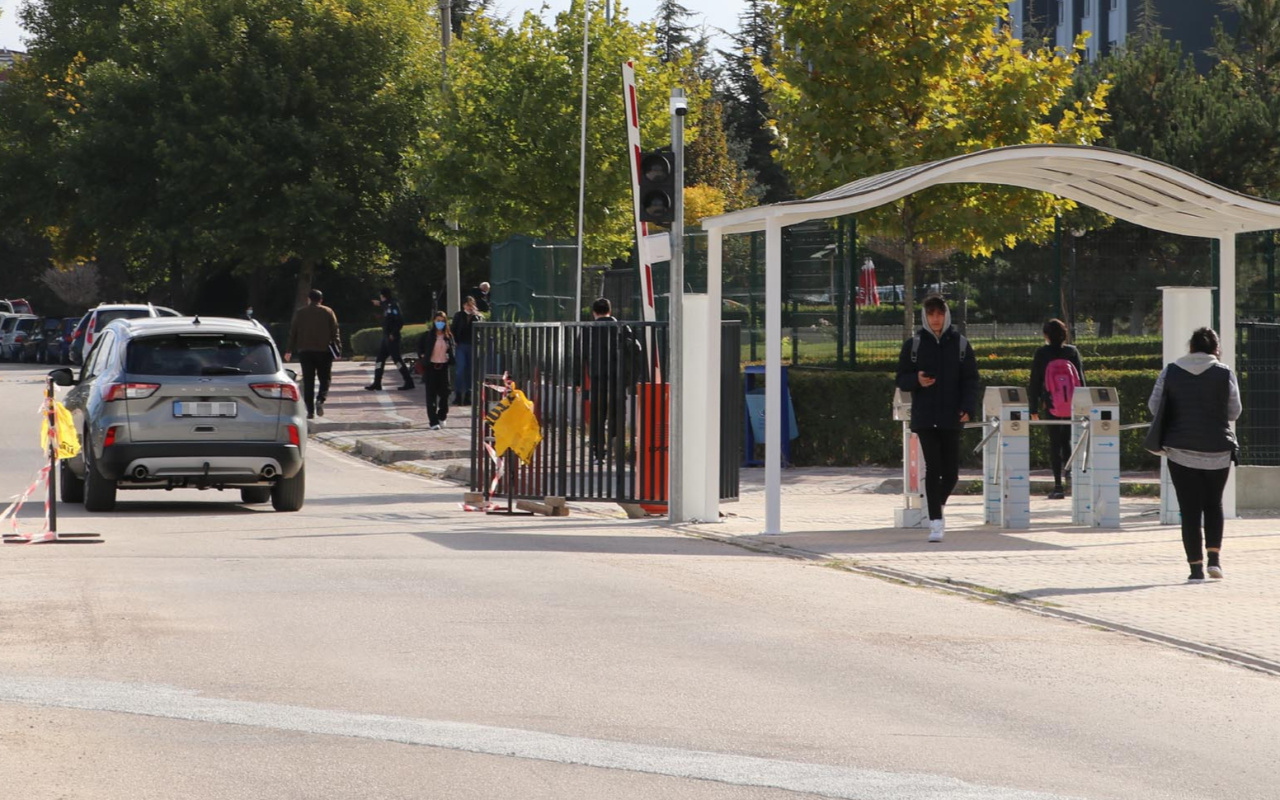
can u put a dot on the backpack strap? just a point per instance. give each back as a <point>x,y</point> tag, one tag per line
<point>915,347</point>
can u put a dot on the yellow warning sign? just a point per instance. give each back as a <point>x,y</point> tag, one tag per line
<point>515,426</point>
<point>68,441</point>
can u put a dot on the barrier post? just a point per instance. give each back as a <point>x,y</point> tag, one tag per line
<point>51,483</point>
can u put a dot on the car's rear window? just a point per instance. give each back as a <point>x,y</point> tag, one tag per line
<point>201,354</point>
<point>113,314</point>
<point>26,324</point>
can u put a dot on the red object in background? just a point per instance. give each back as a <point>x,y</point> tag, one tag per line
<point>867,294</point>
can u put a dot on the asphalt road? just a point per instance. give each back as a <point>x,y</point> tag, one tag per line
<point>381,643</point>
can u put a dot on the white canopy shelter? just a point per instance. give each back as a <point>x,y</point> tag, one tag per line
<point>1130,187</point>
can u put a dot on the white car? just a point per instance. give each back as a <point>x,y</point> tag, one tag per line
<point>13,333</point>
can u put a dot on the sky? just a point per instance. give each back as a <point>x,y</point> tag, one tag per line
<point>715,14</point>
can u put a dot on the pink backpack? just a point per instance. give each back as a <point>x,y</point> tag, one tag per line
<point>1060,380</point>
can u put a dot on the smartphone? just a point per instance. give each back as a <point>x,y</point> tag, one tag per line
<point>928,374</point>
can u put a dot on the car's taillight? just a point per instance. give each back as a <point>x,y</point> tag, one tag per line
<point>276,391</point>
<point>129,391</point>
<point>19,337</point>
<point>88,333</point>
<point>110,438</point>
<point>293,435</point>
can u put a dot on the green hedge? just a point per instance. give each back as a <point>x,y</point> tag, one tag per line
<point>1001,361</point>
<point>366,342</point>
<point>844,418</point>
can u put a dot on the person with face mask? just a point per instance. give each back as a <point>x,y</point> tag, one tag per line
<point>436,353</point>
<point>938,367</point>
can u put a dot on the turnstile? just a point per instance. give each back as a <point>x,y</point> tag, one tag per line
<point>913,513</point>
<point>1006,458</point>
<point>1095,457</point>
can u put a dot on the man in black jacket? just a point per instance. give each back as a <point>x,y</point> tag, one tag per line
<point>461,327</point>
<point>938,367</point>
<point>603,367</point>
<point>392,322</point>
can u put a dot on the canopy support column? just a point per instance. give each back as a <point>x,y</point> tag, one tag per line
<point>773,376</point>
<point>1227,338</point>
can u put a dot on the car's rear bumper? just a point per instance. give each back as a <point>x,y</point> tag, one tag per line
<point>217,462</point>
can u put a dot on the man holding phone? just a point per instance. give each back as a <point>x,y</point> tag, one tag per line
<point>938,367</point>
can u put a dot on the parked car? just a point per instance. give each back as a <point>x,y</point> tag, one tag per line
<point>95,319</point>
<point>185,402</point>
<point>15,307</point>
<point>44,334</point>
<point>61,354</point>
<point>13,334</point>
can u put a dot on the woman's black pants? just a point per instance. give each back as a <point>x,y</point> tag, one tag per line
<point>1059,448</point>
<point>1199,498</point>
<point>436,379</point>
<point>941,450</point>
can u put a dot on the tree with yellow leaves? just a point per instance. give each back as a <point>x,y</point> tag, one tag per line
<point>861,87</point>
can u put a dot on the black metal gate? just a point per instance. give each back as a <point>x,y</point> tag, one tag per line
<point>600,394</point>
<point>1258,366</point>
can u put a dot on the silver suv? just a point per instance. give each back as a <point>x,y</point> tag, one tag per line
<point>172,402</point>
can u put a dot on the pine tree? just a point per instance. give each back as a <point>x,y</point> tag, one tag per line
<point>673,31</point>
<point>748,118</point>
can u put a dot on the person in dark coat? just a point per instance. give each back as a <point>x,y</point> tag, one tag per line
<point>436,354</point>
<point>461,327</point>
<point>938,367</point>
<point>392,323</point>
<point>603,369</point>
<point>1201,399</point>
<point>1054,349</point>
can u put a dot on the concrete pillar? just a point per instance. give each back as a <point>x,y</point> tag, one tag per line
<point>773,377</point>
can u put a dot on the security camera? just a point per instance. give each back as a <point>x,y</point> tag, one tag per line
<point>679,106</point>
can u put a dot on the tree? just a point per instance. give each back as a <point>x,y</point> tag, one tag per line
<point>868,86</point>
<point>708,161</point>
<point>1249,67</point>
<point>178,134</point>
<point>674,34</point>
<point>748,118</point>
<point>502,158</point>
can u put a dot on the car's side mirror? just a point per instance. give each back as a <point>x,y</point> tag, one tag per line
<point>293,375</point>
<point>63,377</point>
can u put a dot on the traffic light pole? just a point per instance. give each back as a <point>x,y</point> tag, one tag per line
<point>675,435</point>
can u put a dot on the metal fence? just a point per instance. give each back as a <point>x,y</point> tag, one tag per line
<point>1258,370</point>
<point>600,394</point>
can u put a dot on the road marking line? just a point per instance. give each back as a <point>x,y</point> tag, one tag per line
<point>170,702</point>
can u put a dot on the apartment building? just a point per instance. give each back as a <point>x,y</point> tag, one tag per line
<point>1110,22</point>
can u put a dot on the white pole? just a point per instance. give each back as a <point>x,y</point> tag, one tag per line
<point>1227,338</point>
<point>452,274</point>
<point>675,408</point>
<point>773,376</point>
<point>582,157</point>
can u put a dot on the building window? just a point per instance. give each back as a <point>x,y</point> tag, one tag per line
<point>1115,4</point>
<point>1062,12</point>
<point>1088,11</point>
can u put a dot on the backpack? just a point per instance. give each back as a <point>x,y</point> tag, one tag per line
<point>915,346</point>
<point>631,355</point>
<point>1060,381</point>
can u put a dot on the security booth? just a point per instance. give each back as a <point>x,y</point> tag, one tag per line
<point>913,513</point>
<point>1095,457</point>
<point>1006,458</point>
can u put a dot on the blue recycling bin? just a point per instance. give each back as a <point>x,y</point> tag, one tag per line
<point>753,399</point>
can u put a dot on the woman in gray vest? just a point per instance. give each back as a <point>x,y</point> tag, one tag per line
<point>1201,399</point>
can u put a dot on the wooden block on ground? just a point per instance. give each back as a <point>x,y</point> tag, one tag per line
<point>555,502</point>
<point>471,498</point>
<point>634,511</point>
<point>535,507</point>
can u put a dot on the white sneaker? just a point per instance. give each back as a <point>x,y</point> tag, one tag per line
<point>937,529</point>
<point>441,423</point>
<point>433,427</point>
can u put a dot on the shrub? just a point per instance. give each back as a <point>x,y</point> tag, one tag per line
<point>366,342</point>
<point>844,418</point>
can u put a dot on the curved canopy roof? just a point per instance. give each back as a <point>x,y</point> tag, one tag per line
<point>1132,188</point>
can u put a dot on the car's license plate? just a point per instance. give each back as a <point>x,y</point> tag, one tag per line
<point>203,409</point>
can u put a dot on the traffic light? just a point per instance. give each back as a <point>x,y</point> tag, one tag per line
<point>658,187</point>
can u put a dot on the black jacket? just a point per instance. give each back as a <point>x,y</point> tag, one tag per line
<point>956,373</point>
<point>461,326</point>
<point>427,343</point>
<point>1196,415</point>
<point>392,321</point>
<point>1036,395</point>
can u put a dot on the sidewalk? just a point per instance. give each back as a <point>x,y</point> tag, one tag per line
<point>1132,579</point>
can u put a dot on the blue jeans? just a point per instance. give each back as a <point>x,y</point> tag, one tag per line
<point>462,371</point>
